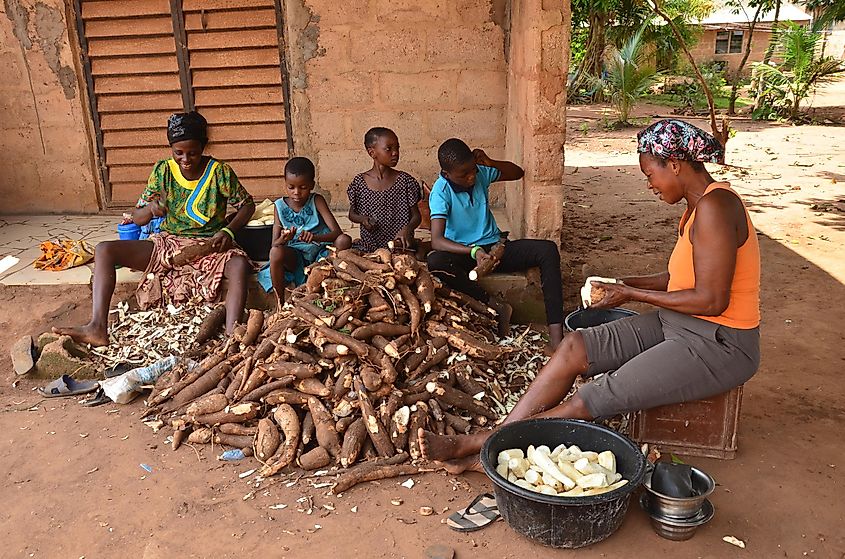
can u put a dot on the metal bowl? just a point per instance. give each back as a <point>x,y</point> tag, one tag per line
<point>672,529</point>
<point>681,508</point>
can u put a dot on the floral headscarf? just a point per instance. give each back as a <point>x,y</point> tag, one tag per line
<point>679,140</point>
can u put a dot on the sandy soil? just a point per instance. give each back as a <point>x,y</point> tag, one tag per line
<point>73,485</point>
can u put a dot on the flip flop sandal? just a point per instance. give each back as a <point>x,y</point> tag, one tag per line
<point>117,370</point>
<point>65,386</point>
<point>98,399</point>
<point>480,512</point>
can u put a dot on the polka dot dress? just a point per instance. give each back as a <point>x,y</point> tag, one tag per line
<point>390,209</point>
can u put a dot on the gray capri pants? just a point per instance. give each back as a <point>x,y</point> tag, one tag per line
<point>664,357</point>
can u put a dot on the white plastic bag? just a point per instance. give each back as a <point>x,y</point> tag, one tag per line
<point>126,387</point>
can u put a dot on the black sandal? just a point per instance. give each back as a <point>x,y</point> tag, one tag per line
<point>97,399</point>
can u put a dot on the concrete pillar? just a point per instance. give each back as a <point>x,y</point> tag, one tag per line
<point>536,120</point>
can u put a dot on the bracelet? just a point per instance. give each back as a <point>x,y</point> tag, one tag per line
<point>228,232</point>
<point>473,251</point>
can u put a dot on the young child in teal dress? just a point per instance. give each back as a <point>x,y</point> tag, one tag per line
<point>303,230</point>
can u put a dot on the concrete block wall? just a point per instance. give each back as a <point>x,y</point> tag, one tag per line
<point>428,69</point>
<point>836,41</point>
<point>45,149</point>
<point>536,117</point>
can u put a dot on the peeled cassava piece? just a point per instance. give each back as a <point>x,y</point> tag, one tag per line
<point>590,295</point>
<point>563,472</point>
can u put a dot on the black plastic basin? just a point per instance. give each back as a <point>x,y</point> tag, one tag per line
<point>256,241</point>
<point>587,318</point>
<point>563,522</point>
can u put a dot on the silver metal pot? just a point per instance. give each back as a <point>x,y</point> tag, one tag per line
<point>681,508</point>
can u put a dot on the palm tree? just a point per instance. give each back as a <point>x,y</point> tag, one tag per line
<point>628,75</point>
<point>801,69</point>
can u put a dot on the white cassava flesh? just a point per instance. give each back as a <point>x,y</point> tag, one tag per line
<point>562,471</point>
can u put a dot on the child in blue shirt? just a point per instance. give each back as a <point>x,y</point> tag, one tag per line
<point>463,229</point>
<point>302,232</point>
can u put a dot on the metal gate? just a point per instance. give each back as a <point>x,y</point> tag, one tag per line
<point>145,59</point>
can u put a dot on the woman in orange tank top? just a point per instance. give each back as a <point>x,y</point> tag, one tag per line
<point>703,339</point>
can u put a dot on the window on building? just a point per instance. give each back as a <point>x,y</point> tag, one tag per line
<point>736,41</point>
<point>729,42</point>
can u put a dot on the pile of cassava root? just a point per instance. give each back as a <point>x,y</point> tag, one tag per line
<point>366,352</point>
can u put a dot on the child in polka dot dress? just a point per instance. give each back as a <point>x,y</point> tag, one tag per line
<point>383,201</point>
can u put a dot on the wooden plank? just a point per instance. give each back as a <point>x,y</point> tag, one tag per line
<point>244,114</point>
<point>241,58</point>
<point>129,27</point>
<point>198,5</point>
<point>139,102</point>
<point>134,121</point>
<point>234,97</point>
<point>261,150</point>
<point>155,83</point>
<point>215,40</point>
<point>160,64</point>
<point>261,188</point>
<point>258,167</point>
<point>131,46</point>
<point>137,156</point>
<point>246,132</point>
<point>232,77</point>
<point>221,21</point>
<point>108,9</point>
<point>135,138</point>
<point>137,174</point>
<point>126,193</point>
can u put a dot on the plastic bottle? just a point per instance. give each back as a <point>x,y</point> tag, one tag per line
<point>150,373</point>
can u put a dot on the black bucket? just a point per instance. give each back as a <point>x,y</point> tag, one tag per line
<point>587,318</point>
<point>563,522</point>
<point>256,241</point>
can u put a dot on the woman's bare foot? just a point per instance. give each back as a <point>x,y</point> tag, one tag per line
<point>88,334</point>
<point>470,463</point>
<point>442,448</point>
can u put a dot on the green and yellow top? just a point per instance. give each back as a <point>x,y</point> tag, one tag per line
<point>194,208</point>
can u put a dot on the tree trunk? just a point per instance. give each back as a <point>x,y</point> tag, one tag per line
<point>591,64</point>
<point>738,74</point>
<point>770,50</point>
<point>720,135</point>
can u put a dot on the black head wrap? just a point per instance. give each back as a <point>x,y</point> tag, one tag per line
<point>187,126</point>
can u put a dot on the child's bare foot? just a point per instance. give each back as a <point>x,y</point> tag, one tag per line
<point>88,334</point>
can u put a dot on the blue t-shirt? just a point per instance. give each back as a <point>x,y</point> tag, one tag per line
<point>469,220</point>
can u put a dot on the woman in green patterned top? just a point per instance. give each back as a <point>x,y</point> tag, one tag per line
<point>192,192</point>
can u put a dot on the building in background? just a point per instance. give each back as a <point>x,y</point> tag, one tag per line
<point>89,83</point>
<point>726,34</point>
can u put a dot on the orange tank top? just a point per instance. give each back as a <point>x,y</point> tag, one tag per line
<point>743,310</point>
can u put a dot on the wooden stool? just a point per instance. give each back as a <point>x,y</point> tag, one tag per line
<point>700,428</point>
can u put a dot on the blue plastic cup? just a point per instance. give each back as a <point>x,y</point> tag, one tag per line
<point>128,231</point>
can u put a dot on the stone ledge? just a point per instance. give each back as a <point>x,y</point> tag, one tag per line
<point>522,290</point>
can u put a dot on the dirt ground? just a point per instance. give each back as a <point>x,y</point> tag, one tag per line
<point>72,481</point>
